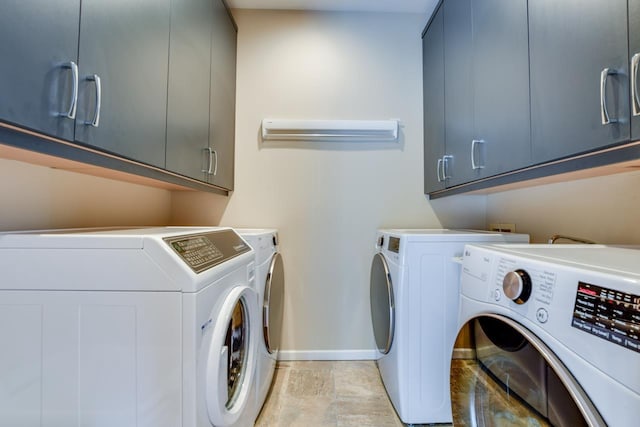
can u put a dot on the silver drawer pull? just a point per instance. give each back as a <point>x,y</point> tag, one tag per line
<point>215,165</point>
<point>207,169</point>
<point>606,120</point>
<point>474,143</point>
<point>445,166</point>
<point>96,117</point>
<point>71,113</point>
<point>438,168</point>
<point>635,99</point>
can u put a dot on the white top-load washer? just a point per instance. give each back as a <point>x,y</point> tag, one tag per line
<point>414,309</point>
<point>269,284</point>
<point>127,327</point>
<point>579,306</point>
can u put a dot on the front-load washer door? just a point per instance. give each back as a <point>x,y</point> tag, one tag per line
<point>517,381</point>
<point>231,357</point>
<point>512,360</point>
<point>273,305</point>
<point>382,303</point>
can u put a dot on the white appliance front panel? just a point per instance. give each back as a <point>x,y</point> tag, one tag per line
<point>82,358</point>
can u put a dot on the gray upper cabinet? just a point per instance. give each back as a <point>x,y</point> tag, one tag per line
<point>123,58</point>
<point>223,98</point>
<point>579,76</point>
<point>501,137</point>
<point>39,57</point>
<point>433,99</point>
<point>486,88</point>
<point>634,57</point>
<point>458,89</point>
<point>189,80</point>
<point>144,87</point>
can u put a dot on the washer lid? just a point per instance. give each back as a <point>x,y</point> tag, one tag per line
<point>93,238</point>
<point>133,259</point>
<point>449,235</point>
<point>622,260</point>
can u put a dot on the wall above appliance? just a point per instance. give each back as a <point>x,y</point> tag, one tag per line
<point>330,130</point>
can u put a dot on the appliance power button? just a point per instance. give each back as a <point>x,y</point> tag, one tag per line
<point>542,315</point>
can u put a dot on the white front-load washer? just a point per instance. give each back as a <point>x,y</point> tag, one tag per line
<point>414,308</point>
<point>269,283</point>
<point>560,328</point>
<point>127,327</point>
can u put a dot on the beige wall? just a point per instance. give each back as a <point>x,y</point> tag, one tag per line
<point>603,209</point>
<point>36,197</point>
<point>328,199</point>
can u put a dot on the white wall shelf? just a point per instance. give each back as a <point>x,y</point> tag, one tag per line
<point>330,130</point>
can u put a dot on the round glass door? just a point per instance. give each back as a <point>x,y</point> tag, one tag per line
<point>273,304</point>
<point>236,342</point>
<point>515,380</point>
<point>230,348</point>
<point>382,303</point>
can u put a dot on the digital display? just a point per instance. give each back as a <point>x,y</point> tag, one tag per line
<point>608,314</point>
<point>394,244</point>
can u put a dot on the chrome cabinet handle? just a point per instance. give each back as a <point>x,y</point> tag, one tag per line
<point>475,165</point>
<point>606,120</point>
<point>215,166</point>
<point>96,116</point>
<point>207,169</point>
<point>71,113</point>
<point>438,167</point>
<point>635,99</point>
<point>445,166</point>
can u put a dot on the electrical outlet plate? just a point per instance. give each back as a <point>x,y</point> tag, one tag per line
<point>502,227</point>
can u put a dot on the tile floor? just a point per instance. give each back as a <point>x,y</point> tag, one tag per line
<point>343,394</point>
<point>323,394</point>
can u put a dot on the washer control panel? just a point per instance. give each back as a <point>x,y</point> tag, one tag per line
<point>526,288</point>
<point>206,250</point>
<point>608,314</point>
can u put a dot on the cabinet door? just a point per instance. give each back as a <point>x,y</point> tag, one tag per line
<point>189,80</point>
<point>223,96</point>
<point>458,89</point>
<point>634,55</point>
<point>501,87</point>
<point>39,38</point>
<point>126,44</point>
<point>571,43</point>
<point>433,91</point>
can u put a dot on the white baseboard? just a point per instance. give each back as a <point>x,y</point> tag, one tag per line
<point>463,353</point>
<point>328,355</point>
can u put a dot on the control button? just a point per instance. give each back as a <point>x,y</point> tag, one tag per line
<point>497,295</point>
<point>542,315</point>
<point>517,286</point>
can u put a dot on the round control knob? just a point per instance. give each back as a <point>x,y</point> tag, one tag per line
<point>517,286</point>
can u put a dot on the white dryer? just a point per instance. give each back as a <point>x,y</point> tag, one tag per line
<point>270,288</point>
<point>563,334</point>
<point>127,327</point>
<point>414,308</point>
